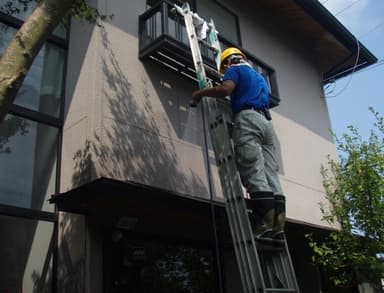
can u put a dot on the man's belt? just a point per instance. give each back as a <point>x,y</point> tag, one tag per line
<point>264,112</point>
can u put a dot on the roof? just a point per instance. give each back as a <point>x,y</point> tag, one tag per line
<point>337,50</point>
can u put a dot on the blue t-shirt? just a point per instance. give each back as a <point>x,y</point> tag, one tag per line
<point>251,89</point>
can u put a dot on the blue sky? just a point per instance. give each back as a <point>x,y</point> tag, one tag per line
<point>349,98</point>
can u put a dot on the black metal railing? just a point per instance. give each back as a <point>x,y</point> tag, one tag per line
<point>163,36</point>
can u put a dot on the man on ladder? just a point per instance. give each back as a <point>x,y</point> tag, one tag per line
<point>254,144</point>
<point>266,267</point>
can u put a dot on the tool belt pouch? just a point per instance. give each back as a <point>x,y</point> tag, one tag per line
<point>267,114</point>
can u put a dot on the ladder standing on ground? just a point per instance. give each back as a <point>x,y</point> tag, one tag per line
<point>262,269</point>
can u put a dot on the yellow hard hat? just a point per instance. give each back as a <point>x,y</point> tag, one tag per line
<point>228,52</point>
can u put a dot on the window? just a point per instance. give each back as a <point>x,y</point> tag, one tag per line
<point>17,9</point>
<point>21,12</point>
<point>145,266</point>
<point>26,253</point>
<point>151,3</point>
<point>28,156</point>
<point>225,21</point>
<point>43,86</point>
<point>29,148</point>
<point>29,134</point>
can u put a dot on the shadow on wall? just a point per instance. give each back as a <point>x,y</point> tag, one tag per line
<point>71,256</point>
<point>132,147</point>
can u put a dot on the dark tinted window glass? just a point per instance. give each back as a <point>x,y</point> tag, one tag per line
<point>225,21</point>
<point>26,249</point>
<point>42,87</point>
<point>28,157</point>
<point>154,267</point>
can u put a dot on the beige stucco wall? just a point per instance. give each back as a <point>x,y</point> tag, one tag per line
<point>130,120</point>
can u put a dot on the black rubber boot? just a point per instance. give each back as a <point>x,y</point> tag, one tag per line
<point>263,213</point>
<point>279,221</point>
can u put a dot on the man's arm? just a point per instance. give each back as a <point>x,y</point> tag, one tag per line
<point>220,91</point>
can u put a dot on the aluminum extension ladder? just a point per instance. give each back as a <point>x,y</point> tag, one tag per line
<point>263,268</point>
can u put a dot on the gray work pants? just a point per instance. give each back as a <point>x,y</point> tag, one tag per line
<point>255,152</point>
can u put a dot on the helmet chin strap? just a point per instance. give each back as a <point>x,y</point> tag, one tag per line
<point>236,61</point>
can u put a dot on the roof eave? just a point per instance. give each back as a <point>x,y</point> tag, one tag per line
<point>321,15</point>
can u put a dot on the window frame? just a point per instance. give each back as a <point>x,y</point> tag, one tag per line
<point>46,119</point>
<point>35,116</point>
<point>236,18</point>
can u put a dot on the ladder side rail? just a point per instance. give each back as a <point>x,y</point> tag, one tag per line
<point>278,264</point>
<point>214,41</point>
<point>210,106</point>
<point>245,275</point>
<point>284,271</point>
<point>292,270</point>
<point>233,192</point>
<point>243,256</point>
<point>244,243</point>
<point>283,268</point>
<point>200,72</point>
<point>239,224</point>
<point>195,49</point>
<point>268,273</point>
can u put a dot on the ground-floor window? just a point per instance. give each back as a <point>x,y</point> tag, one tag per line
<point>26,254</point>
<point>149,266</point>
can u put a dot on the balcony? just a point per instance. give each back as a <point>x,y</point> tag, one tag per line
<point>163,39</point>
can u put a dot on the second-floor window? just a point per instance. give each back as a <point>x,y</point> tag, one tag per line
<point>226,22</point>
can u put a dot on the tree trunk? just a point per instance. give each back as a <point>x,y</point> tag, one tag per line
<point>22,50</point>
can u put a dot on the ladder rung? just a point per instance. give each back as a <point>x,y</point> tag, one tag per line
<point>278,290</point>
<point>212,71</point>
<point>216,124</point>
<point>209,46</point>
<point>244,243</point>
<point>233,199</point>
<point>269,247</point>
<point>224,160</point>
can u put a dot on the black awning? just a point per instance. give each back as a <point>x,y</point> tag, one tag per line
<point>152,209</point>
<point>157,211</point>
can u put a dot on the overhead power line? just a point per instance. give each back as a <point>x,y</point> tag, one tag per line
<point>351,74</point>
<point>377,64</point>
<point>347,7</point>
<point>329,90</point>
<point>372,29</point>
